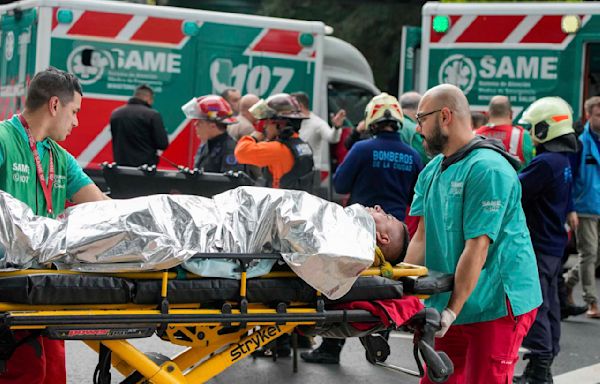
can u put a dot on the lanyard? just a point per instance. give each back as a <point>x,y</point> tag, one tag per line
<point>46,185</point>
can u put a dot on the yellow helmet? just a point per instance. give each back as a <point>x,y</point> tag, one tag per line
<point>550,117</point>
<point>383,107</point>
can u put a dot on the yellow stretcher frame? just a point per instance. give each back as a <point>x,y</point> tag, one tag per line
<point>209,352</point>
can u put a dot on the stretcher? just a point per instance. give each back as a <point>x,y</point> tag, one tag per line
<point>220,321</point>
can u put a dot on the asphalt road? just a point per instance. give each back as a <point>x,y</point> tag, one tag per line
<point>578,362</point>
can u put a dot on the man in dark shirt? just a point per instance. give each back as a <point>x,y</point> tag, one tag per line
<point>211,114</point>
<point>137,130</point>
<point>546,186</point>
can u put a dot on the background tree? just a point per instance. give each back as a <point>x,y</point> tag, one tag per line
<point>374,27</point>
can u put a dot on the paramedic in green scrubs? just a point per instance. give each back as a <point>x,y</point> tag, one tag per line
<point>471,224</point>
<point>39,172</point>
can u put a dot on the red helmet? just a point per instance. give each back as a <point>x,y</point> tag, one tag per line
<point>209,107</point>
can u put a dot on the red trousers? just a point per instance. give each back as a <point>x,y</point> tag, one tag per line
<point>38,361</point>
<point>486,352</point>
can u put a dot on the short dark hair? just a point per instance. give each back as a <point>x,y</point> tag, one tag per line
<point>143,89</point>
<point>302,98</point>
<point>51,82</point>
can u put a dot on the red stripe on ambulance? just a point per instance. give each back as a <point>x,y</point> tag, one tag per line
<point>186,143</point>
<point>54,19</point>
<point>279,41</point>
<point>547,30</point>
<point>90,125</point>
<point>99,24</point>
<point>489,29</point>
<point>159,30</point>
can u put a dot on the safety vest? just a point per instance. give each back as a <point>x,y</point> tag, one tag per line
<point>301,176</point>
<point>18,175</point>
<point>510,135</point>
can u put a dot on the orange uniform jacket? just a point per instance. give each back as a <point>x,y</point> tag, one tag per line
<point>274,155</point>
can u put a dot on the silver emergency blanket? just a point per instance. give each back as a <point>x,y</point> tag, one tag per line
<point>28,240</point>
<point>326,245</point>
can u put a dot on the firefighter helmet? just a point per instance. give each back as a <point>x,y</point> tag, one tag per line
<point>209,107</point>
<point>549,117</point>
<point>279,106</point>
<point>383,107</point>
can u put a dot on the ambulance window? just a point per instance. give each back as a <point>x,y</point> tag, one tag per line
<point>350,97</point>
<point>593,65</point>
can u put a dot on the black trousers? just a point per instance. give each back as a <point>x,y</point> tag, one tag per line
<point>543,337</point>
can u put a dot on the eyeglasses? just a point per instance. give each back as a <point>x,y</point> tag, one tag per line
<point>420,116</point>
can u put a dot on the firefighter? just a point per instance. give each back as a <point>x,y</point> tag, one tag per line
<point>211,115</point>
<point>288,160</point>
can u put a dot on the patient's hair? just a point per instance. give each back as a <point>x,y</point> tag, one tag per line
<point>395,250</point>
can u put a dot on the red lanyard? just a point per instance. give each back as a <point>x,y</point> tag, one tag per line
<point>46,186</point>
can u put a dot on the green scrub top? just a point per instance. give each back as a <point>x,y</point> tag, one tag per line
<point>409,135</point>
<point>479,195</point>
<point>18,173</point>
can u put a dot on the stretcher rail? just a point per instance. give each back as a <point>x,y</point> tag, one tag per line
<point>81,318</point>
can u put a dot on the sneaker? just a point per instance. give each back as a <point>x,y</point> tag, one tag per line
<point>319,356</point>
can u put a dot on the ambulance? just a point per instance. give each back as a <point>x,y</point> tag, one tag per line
<point>112,47</point>
<point>522,50</point>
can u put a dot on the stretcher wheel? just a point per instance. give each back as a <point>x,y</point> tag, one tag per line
<point>377,348</point>
<point>441,378</point>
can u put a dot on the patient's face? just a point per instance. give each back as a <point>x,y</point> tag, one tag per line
<point>390,231</point>
<point>384,222</point>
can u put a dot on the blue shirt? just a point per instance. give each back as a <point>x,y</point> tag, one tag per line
<point>576,160</point>
<point>76,179</point>
<point>546,197</point>
<point>382,170</point>
<point>586,174</point>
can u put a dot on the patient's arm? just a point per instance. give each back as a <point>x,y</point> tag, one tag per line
<point>416,249</point>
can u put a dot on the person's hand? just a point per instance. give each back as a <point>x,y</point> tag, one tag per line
<point>361,127</point>
<point>448,317</point>
<point>573,220</point>
<point>339,118</point>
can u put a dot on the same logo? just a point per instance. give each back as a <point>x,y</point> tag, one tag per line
<point>90,70</point>
<point>458,70</point>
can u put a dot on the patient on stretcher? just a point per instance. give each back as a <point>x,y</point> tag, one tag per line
<point>326,245</point>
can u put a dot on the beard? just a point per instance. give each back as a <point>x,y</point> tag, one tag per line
<point>436,142</point>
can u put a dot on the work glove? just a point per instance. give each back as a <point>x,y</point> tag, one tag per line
<point>448,318</point>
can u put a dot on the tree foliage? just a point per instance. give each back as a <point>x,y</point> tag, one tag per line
<point>374,27</point>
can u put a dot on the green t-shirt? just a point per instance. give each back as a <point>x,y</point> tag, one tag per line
<point>479,195</point>
<point>18,174</point>
<point>409,135</point>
